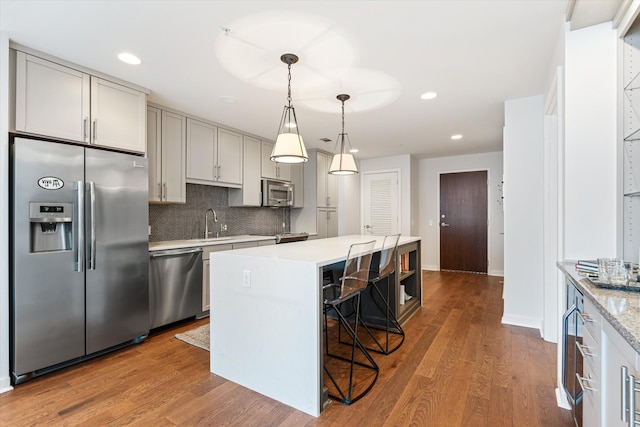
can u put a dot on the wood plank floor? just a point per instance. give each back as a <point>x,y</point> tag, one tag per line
<point>459,366</point>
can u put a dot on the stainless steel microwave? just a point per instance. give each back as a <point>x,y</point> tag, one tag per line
<point>277,193</point>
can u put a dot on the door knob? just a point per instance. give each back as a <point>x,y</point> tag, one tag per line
<point>444,224</point>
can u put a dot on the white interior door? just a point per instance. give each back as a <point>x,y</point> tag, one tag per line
<point>381,203</point>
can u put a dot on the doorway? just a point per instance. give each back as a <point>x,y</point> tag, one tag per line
<point>463,221</point>
<point>380,203</point>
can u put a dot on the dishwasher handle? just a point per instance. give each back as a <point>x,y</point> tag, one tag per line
<point>174,252</point>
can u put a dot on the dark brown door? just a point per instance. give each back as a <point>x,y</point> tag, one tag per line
<point>463,221</point>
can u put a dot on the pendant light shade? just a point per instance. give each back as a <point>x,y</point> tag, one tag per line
<point>343,163</point>
<point>289,147</point>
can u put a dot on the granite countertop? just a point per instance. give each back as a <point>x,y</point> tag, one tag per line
<point>190,243</point>
<point>619,307</point>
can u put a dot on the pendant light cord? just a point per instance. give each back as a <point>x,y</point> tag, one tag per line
<point>289,86</point>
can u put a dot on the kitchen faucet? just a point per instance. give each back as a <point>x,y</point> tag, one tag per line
<point>206,224</point>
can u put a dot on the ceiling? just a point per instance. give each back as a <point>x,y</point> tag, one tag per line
<point>220,60</point>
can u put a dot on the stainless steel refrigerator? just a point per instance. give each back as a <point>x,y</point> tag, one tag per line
<point>79,254</point>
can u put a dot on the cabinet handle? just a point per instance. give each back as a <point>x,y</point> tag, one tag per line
<point>623,394</point>
<point>631,407</point>
<point>95,130</point>
<point>85,130</point>
<point>584,350</point>
<point>159,191</point>
<point>164,187</point>
<point>586,318</point>
<point>218,175</point>
<point>582,380</point>
<point>327,200</point>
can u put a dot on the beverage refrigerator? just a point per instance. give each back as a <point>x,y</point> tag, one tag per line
<point>79,254</point>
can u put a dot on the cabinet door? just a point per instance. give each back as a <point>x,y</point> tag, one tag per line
<point>229,157</point>
<point>249,195</point>
<point>332,223</point>
<point>297,178</point>
<point>201,143</point>
<point>206,285</point>
<point>283,170</point>
<point>273,170</point>
<point>118,116</point>
<point>51,99</point>
<point>154,153</point>
<point>173,157</point>
<point>267,168</point>
<point>332,188</point>
<point>322,168</point>
<point>617,354</point>
<point>321,223</point>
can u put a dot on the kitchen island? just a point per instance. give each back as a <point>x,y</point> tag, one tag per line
<point>266,315</point>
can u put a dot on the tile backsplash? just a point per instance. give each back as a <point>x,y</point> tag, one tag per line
<point>178,222</point>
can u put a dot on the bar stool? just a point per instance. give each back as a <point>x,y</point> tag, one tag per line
<point>386,268</point>
<point>353,281</point>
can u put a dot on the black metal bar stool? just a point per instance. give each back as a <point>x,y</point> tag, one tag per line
<point>386,268</point>
<point>353,281</point>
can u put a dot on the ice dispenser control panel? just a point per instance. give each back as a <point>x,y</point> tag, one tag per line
<point>51,226</point>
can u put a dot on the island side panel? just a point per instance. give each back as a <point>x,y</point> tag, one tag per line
<point>266,337</point>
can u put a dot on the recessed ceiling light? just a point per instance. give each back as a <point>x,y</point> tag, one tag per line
<point>353,150</point>
<point>428,95</point>
<point>226,99</point>
<point>290,125</point>
<point>458,136</point>
<point>129,58</point>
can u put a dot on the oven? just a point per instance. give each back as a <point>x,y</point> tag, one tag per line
<point>572,334</point>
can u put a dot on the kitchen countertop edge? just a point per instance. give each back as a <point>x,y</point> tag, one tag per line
<point>193,243</point>
<point>627,323</point>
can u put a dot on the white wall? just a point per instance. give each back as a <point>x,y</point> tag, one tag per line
<point>523,212</point>
<point>5,384</point>
<point>592,203</point>
<point>404,164</point>
<point>430,170</point>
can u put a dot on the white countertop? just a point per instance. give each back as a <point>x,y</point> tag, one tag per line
<point>319,252</point>
<point>192,243</point>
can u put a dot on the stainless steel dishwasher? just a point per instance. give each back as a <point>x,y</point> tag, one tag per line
<point>175,285</point>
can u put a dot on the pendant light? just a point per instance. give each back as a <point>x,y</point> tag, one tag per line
<point>289,147</point>
<point>343,163</point>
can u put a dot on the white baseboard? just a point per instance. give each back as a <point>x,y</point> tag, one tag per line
<point>5,385</point>
<point>496,273</point>
<point>527,322</point>
<point>561,399</point>
<point>430,267</point>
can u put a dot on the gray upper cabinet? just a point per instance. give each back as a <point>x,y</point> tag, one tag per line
<point>273,170</point>
<point>214,155</point>
<point>250,193</point>
<point>166,133</point>
<point>61,102</point>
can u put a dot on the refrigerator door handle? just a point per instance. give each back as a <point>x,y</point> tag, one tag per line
<point>78,187</point>
<point>92,226</point>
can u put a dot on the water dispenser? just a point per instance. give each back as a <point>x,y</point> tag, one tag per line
<point>51,225</point>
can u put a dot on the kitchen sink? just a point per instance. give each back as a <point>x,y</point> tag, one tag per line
<point>215,239</point>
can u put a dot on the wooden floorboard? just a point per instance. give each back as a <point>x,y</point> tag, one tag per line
<point>458,366</point>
